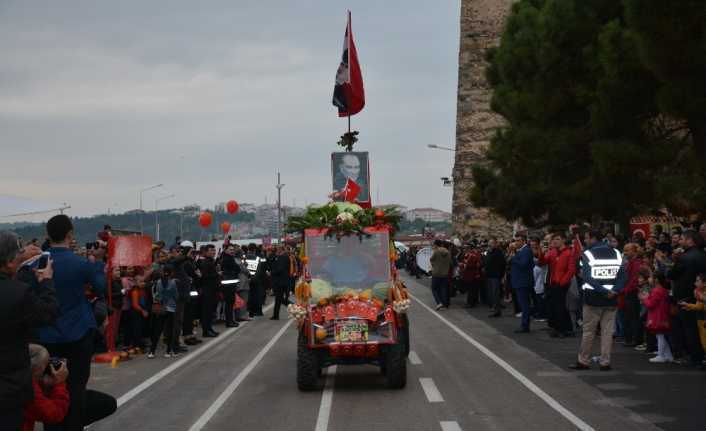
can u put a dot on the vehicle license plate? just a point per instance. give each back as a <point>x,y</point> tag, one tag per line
<point>351,331</point>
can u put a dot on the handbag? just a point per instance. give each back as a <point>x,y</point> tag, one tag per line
<point>239,302</point>
<point>157,308</point>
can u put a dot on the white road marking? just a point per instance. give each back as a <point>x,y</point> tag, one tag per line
<point>223,397</point>
<point>181,362</point>
<point>326,400</point>
<point>414,358</point>
<point>430,390</point>
<point>554,404</point>
<point>450,426</point>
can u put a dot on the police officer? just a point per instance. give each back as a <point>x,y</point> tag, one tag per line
<point>603,277</point>
<point>231,273</point>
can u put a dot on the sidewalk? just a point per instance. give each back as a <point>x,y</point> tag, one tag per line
<point>670,396</point>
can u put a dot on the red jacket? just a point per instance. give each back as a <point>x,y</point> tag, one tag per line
<point>562,264</point>
<point>633,271</point>
<point>50,408</point>
<point>472,266</point>
<point>657,304</point>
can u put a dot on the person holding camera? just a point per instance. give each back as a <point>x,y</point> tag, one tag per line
<point>22,309</point>
<point>51,398</point>
<point>72,334</point>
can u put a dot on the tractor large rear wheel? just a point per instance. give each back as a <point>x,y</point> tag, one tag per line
<point>308,368</point>
<point>395,368</point>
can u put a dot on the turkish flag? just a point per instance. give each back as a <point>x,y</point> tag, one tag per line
<point>350,191</point>
<point>348,93</point>
<point>643,228</point>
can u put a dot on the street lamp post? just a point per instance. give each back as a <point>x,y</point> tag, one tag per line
<point>142,227</point>
<point>446,181</point>
<point>156,214</point>
<point>439,147</point>
<point>279,209</point>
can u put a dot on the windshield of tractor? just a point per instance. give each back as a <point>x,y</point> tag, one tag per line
<point>349,263</point>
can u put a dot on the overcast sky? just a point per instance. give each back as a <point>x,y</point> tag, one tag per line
<point>99,99</point>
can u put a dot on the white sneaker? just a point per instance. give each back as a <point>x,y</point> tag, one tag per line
<point>518,315</point>
<point>167,355</point>
<point>439,306</point>
<point>659,360</point>
<point>150,355</point>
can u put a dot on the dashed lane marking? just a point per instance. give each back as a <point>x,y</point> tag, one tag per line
<point>450,426</point>
<point>430,390</point>
<point>223,397</point>
<point>414,358</point>
<point>326,400</point>
<point>551,402</point>
<point>181,362</point>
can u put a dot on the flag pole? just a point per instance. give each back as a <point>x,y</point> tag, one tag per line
<point>348,35</point>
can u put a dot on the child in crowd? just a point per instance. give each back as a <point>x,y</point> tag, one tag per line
<point>138,312</point>
<point>163,309</point>
<point>645,284</point>
<point>658,318</point>
<point>127,282</point>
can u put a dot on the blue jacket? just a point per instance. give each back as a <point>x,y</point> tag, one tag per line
<point>71,274</point>
<point>522,269</point>
<point>167,295</point>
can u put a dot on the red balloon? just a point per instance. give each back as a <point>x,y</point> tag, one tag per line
<point>232,207</point>
<point>225,227</point>
<point>205,219</point>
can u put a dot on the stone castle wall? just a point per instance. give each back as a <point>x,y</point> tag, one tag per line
<point>481,26</point>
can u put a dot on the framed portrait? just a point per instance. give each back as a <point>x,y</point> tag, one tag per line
<point>354,166</point>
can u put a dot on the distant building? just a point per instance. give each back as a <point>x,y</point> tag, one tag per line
<point>400,208</point>
<point>247,208</point>
<point>430,215</point>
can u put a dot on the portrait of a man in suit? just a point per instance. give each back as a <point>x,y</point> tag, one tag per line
<point>353,166</point>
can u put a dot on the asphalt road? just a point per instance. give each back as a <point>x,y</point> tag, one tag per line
<point>463,374</point>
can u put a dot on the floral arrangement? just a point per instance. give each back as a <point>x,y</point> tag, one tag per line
<point>296,311</point>
<point>401,306</point>
<point>343,219</point>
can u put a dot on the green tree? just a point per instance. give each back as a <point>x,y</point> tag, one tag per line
<point>671,40</point>
<point>584,135</point>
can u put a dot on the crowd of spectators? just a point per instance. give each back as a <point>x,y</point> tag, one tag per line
<point>656,306</point>
<point>59,308</point>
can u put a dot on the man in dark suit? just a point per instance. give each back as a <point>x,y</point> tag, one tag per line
<point>280,279</point>
<point>209,289</point>
<point>522,278</point>
<point>231,272</point>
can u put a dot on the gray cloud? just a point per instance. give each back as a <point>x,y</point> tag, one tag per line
<point>99,99</point>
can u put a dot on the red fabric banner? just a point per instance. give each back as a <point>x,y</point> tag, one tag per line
<point>130,251</point>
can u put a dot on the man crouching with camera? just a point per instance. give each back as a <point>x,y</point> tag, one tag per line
<point>51,398</point>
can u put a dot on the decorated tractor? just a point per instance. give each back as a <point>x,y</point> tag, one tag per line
<point>351,308</point>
